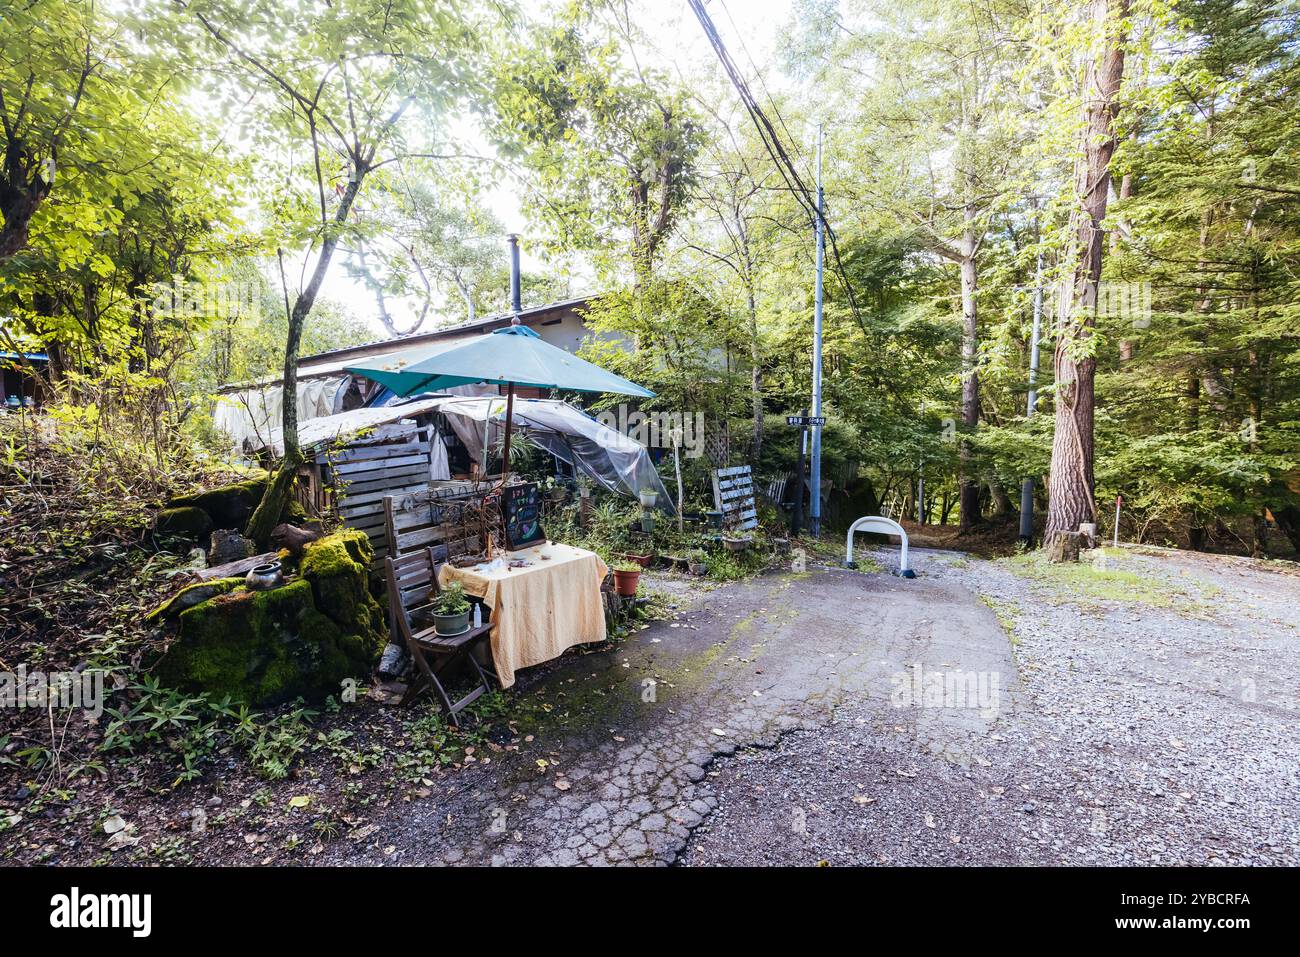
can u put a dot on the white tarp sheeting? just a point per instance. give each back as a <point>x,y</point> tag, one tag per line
<point>609,457</point>
<point>328,429</point>
<point>617,462</point>
<point>250,416</point>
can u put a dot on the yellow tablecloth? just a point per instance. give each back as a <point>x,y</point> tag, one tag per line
<point>541,610</point>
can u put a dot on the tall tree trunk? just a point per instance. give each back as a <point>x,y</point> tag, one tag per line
<point>756,375</point>
<point>1001,501</point>
<point>18,211</point>
<point>267,514</point>
<point>1070,484</point>
<point>1125,192</point>
<point>970,386</point>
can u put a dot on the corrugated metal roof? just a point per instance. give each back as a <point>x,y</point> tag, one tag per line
<point>328,428</point>
<point>532,313</point>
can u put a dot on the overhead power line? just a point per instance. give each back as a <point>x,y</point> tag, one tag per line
<point>776,150</point>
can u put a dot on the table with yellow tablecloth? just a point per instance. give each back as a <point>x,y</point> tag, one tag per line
<point>539,610</point>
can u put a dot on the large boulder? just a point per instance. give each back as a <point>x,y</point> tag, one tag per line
<point>229,506</point>
<point>185,521</point>
<point>227,545</point>
<point>299,640</point>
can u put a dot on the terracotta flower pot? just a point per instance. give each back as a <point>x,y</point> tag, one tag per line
<point>625,582</point>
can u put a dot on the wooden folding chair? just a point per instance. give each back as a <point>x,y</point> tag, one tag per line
<point>412,585</point>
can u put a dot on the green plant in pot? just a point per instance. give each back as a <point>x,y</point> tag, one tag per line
<point>627,575</point>
<point>450,611</point>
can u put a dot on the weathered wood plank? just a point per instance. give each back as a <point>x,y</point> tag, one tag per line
<point>366,498</point>
<point>236,569</point>
<point>361,453</point>
<point>408,455</point>
<point>386,480</point>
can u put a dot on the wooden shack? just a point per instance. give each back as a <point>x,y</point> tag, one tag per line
<point>355,460</point>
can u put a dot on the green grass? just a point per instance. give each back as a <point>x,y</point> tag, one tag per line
<point>1098,578</point>
<point>1007,612</point>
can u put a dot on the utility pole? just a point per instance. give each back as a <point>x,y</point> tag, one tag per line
<point>815,515</point>
<point>1027,486</point>
<point>796,513</point>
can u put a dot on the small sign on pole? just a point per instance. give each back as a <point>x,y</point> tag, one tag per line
<point>805,420</point>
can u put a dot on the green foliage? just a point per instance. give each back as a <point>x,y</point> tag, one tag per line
<point>450,600</point>
<point>613,149</point>
<point>193,728</point>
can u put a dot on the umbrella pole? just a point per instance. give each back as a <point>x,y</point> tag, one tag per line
<point>505,448</point>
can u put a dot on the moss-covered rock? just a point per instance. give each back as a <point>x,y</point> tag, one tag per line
<point>229,506</point>
<point>185,521</point>
<point>294,513</point>
<point>193,595</point>
<point>338,567</point>
<point>299,640</point>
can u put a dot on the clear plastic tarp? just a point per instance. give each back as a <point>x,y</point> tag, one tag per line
<point>618,463</point>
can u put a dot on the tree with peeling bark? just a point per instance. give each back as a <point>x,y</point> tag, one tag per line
<point>347,89</point>
<point>1070,485</point>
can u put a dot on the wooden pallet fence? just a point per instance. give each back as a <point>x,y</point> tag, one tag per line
<point>733,496</point>
<point>451,518</point>
<point>391,460</point>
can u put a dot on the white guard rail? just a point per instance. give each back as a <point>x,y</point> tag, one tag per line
<point>884,526</point>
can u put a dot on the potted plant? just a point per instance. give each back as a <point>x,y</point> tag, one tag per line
<point>737,543</point>
<point>556,492</point>
<point>648,497</point>
<point>450,611</point>
<point>627,575</point>
<point>696,562</point>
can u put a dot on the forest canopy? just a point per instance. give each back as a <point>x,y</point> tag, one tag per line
<point>190,188</point>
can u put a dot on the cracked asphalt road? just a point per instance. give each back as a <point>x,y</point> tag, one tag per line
<point>621,775</point>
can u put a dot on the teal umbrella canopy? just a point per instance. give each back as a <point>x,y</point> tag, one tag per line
<point>512,356</point>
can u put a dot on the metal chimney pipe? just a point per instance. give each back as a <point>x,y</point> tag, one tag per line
<point>516,306</point>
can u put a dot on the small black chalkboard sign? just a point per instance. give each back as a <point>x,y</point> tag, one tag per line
<point>521,507</point>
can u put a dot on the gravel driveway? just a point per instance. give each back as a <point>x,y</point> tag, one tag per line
<point>1155,724</point>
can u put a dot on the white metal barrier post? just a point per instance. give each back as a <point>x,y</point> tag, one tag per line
<point>884,526</point>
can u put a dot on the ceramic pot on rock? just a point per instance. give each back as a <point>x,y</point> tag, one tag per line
<point>264,577</point>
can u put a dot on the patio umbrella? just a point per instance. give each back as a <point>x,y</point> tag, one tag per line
<point>513,356</point>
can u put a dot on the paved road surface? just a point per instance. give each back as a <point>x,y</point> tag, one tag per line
<point>626,775</point>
